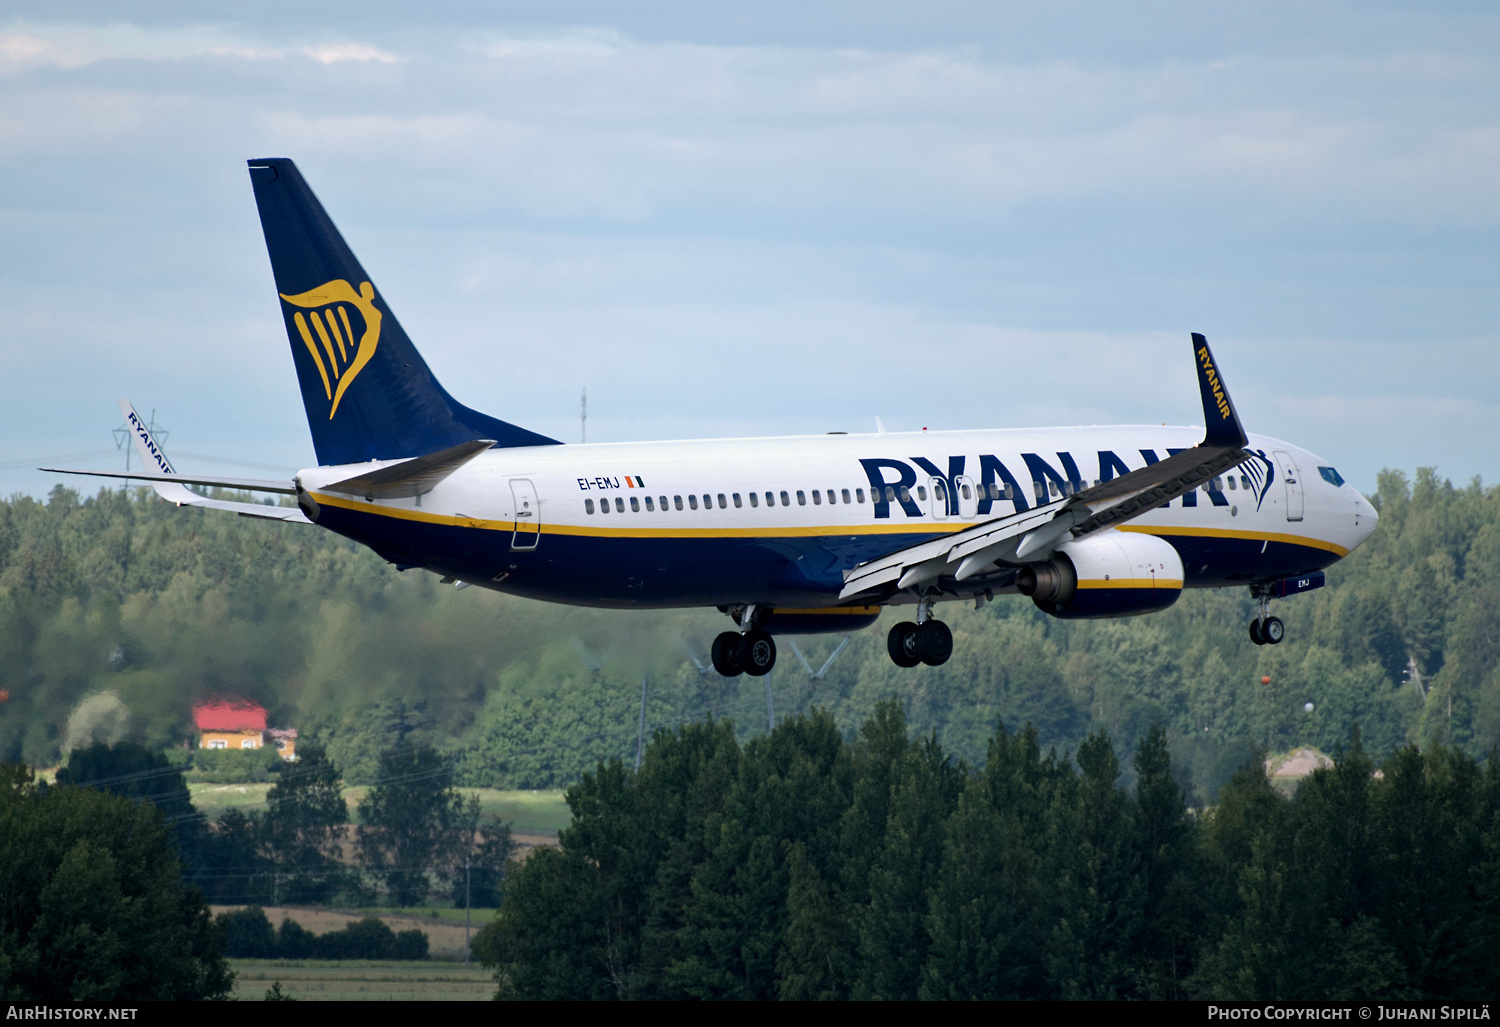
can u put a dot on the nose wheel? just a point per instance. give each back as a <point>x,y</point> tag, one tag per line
<point>1265,629</point>
<point>1267,632</point>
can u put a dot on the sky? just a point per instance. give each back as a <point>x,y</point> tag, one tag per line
<point>768,219</point>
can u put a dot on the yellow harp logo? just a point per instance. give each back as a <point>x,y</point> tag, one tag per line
<point>329,305</point>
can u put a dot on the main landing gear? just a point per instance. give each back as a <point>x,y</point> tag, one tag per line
<point>1265,629</point>
<point>750,652</point>
<point>927,641</point>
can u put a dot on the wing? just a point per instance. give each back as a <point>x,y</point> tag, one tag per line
<point>172,486</point>
<point>1035,533</point>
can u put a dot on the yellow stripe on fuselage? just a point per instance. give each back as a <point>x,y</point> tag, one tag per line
<point>790,530</point>
<point>1249,536</point>
<point>767,531</point>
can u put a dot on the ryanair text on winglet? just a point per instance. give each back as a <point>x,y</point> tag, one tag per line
<point>1213,380</point>
<point>150,444</point>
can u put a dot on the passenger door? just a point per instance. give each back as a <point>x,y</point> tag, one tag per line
<point>939,492</point>
<point>1292,479</point>
<point>528,515</point>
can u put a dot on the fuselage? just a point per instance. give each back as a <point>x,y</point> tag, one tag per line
<point>777,521</point>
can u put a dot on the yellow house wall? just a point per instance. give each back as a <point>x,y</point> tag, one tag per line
<point>231,739</point>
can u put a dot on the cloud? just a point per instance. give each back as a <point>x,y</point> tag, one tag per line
<point>337,53</point>
<point>21,51</point>
<point>736,238</point>
<point>73,46</point>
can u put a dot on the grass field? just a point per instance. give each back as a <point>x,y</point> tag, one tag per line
<point>530,812</point>
<point>439,914</point>
<point>357,980</point>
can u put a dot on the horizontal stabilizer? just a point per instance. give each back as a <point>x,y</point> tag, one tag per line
<point>285,486</point>
<point>410,478</point>
<point>172,487</point>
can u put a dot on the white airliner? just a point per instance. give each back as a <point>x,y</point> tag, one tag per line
<point>785,535</point>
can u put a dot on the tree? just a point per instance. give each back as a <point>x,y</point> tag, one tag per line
<point>1092,872</point>
<point>415,823</point>
<point>893,934</point>
<point>231,866</point>
<point>1166,852</point>
<point>301,830</point>
<point>808,963</point>
<point>480,884</point>
<point>93,905</point>
<point>248,934</point>
<point>131,770</point>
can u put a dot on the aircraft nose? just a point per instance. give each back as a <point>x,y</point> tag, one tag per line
<point>1365,519</point>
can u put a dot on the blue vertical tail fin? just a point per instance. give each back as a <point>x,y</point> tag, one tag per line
<point>368,393</point>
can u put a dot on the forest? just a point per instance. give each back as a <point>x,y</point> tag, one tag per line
<point>803,866</point>
<point>119,611</point>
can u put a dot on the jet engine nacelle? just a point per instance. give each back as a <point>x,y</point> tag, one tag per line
<point>1111,574</point>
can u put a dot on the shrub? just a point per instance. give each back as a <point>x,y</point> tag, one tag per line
<point>247,933</point>
<point>293,941</point>
<point>410,945</point>
<point>235,766</point>
<point>369,938</point>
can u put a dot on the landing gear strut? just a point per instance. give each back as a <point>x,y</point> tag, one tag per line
<point>927,641</point>
<point>1265,629</point>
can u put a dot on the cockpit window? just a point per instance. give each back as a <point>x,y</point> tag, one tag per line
<point>1331,476</point>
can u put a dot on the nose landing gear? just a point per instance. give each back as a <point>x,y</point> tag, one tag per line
<point>1265,629</point>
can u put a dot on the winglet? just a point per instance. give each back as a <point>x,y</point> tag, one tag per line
<point>1218,409</point>
<point>145,445</point>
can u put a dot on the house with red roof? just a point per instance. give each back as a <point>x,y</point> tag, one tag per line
<point>240,724</point>
<point>229,724</point>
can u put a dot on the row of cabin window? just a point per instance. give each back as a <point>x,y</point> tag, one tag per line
<point>891,496</point>
<point>833,497</point>
<point>725,501</point>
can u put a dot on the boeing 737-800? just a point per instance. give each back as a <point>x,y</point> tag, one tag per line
<point>785,535</point>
